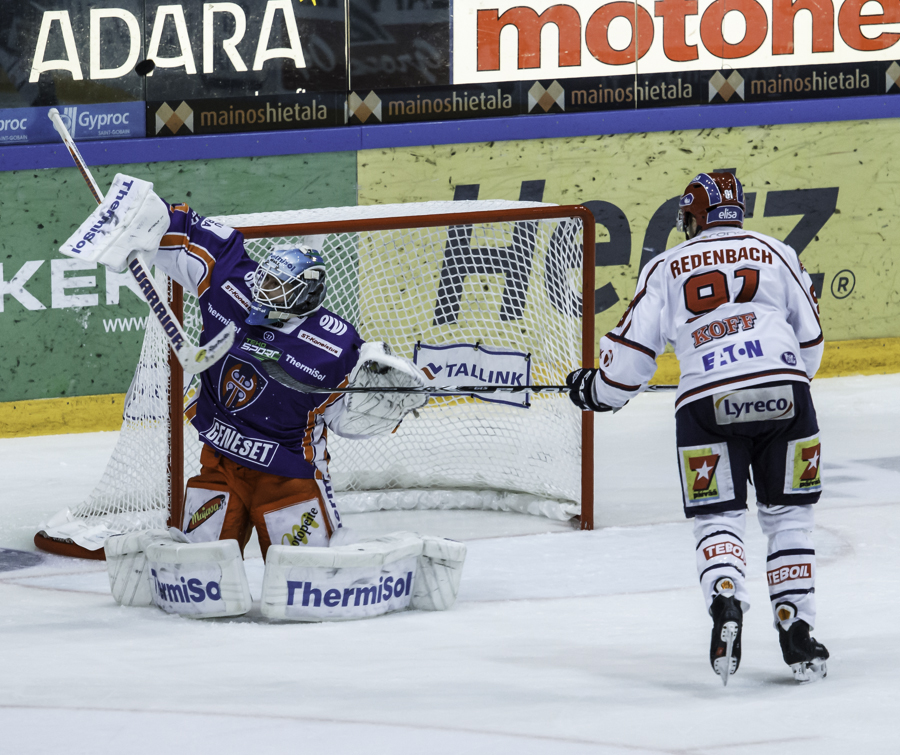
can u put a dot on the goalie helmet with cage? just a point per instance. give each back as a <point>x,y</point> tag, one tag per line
<point>713,199</point>
<point>290,282</point>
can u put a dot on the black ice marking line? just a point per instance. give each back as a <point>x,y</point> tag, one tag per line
<point>193,359</point>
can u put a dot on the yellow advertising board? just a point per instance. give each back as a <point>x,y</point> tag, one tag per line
<point>831,190</point>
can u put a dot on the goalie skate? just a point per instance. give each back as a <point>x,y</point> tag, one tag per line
<point>725,645</point>
<point>803,653</point>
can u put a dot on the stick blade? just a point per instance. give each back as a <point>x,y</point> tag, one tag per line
<point>194,359</point>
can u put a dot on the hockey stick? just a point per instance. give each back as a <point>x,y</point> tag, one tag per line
<point>193,359</point>
<point>279,375</point>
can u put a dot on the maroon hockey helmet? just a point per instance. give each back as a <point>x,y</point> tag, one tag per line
<point>713,199</point>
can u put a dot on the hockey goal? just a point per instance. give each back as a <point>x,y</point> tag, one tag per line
<point>505,277</point>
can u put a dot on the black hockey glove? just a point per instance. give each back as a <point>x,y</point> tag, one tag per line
<point>581,384</point>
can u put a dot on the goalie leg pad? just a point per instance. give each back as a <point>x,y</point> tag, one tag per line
<point>438,575</point>
<point>126,565</point>
<point>344,582</point>
<point>198,580</point>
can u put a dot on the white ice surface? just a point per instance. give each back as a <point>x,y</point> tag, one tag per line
<point>561,641</point>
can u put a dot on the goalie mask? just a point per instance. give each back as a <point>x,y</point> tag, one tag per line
<point>289,283</point>
<point>713,199</point>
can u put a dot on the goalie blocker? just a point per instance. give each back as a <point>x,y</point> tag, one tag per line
<point>207,580</point>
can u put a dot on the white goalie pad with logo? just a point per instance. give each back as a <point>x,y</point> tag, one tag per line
<point>391,573</point>
<point>198,580</point>
<point>126,565</point>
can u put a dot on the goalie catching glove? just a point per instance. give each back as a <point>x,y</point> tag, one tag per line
<point>377,413</point>
<point>131,220</point>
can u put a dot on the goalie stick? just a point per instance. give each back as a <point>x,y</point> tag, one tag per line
<point>193,359</point>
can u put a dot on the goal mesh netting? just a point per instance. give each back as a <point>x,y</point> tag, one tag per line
<point>498,274</point>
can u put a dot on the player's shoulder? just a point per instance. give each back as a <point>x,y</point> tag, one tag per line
<point>201,230</point>
<point>331,322</point>
<point>721,237</point>
<point>331,329</point>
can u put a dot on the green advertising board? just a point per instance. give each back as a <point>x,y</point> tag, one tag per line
<point>70,329</point>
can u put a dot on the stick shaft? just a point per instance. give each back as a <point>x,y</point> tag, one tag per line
<point>454,390</point>
<point>466,390</point>
<point>61,129</point>
<point>191,359</point>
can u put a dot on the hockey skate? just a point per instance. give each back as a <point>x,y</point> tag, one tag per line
<point>725,646</point>
<point>803,653</point>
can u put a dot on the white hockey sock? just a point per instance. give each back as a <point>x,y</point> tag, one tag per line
<point>721,561</point>
<point>790,563</point>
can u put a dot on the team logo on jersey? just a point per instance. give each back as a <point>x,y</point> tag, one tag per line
<point>789,358</point>
<point>205,512</point>
<point>333,325</point>
<point>801,474</point>
<point>706,474</point>
<point>240,384</point>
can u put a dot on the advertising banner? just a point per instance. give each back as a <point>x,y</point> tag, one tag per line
<point>222,116</point>
<point>80,51</point>
<point>244,48</point>
<point>503,40</point>
<point>70,51</point>
<point>396,61</point>
<point>433,103</point>
<point>112,120</point>
<point>824,188</point>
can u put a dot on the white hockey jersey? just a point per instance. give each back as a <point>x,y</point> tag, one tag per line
<point>737,306</point>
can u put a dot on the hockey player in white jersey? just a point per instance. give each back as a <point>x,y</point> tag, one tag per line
<point>740,311</point>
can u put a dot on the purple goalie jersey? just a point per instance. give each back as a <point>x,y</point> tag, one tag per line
<point>242,412</point>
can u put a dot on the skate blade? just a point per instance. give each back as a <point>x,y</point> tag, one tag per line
<point>810,671</point>
<point>726,665</point>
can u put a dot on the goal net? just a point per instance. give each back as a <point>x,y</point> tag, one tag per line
<point>482,279</point>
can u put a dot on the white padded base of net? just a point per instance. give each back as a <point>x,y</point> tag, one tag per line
<point>364,501</point>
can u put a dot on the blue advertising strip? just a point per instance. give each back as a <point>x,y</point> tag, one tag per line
<point>385,136</point>
<point>114,120</point>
